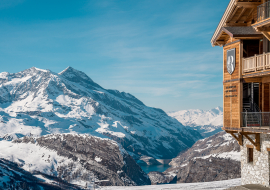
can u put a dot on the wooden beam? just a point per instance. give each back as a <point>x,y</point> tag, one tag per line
<point>266,35</point>
<point>240,142</point>
<point>240,15</point>
<point>233,13</point>
<point>255,79</point>
<point>248,4</point>
<point>220,42</point>
<point>251,11</point>
<point>263,29</point>
<point>249,38</point>
<point>235,24</point>
<point>266,80</point>
<point>257,142</point>
<point>249,139</point>
<point>268,149</point>
<point>239,138</point>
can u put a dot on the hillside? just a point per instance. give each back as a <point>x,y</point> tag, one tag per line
<point>215,185</point>
<point>40,102</point>
<point>75,159</point>
<point>12,177</point>
<point>206,122</point>
<point>212,159</point>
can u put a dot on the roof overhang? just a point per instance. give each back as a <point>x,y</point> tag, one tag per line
<point>231,17</point>
<point>223,20</point>
<point>238,32</point>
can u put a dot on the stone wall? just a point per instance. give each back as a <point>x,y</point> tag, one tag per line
<point>256,172</point>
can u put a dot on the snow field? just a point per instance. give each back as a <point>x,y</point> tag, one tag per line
<point>216,185</point>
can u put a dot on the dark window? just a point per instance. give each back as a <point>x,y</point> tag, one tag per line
<point>251,47</point>
<point>250,154</point>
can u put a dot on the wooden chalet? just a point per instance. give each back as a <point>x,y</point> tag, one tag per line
<point>244,34</point>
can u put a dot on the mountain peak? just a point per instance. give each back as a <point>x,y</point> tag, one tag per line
<point>37,69</point>
<point>68,69</point>
<point>72,73</point>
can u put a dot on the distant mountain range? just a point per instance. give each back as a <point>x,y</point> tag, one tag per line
<point>207,122</point>
<point>37,102</point>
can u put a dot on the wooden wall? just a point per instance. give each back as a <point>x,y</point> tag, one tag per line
<point>232,88</point>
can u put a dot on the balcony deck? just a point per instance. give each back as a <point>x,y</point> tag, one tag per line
<point>257,65</point>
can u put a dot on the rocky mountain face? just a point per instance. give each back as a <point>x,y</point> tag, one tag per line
<point>210,159</point>
<point>41,102</point>
<point>162,178</point>
<point>12,177</point>
<point>76,159</point>
<point>206,122</point>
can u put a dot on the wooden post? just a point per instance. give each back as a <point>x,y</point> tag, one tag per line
<point>240,88</point>
<point>258,141</point>
<point>263,97</point>
<point>263,60</point>
<point>255,62</point>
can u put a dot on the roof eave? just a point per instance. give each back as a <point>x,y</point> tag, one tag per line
<point>224,18</point>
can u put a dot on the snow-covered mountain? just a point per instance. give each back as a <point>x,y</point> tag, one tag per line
<point>41,102</point>
<point>76,159</point>
<point>207,122</point>
<point>13,177</point>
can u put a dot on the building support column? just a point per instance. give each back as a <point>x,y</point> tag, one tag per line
<point>263,85</point>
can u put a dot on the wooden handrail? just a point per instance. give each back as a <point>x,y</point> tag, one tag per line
<point>256,63</point>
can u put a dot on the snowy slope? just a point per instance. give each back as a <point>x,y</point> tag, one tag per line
<point>218,185</point>
<point>12,177</point>
<point>207,122</point>
<point>77,159</point>
<point>42,102</point>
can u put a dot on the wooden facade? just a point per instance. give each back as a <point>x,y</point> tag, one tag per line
<point>232,87</point>
<point>244,34</point>
<point>245,30</point>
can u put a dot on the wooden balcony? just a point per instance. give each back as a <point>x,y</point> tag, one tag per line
<point>263,11</point>
<point>257,64</point>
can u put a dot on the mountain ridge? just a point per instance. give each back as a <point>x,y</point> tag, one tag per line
<point>41,102</point>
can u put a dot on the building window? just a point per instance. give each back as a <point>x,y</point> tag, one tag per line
<point>250,154</point>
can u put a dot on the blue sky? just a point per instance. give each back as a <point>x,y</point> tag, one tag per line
<point>157,50</point>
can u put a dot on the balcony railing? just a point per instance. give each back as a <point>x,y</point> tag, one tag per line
<point>256,119</point>
<point>256,63</point>
<point>263,11</point>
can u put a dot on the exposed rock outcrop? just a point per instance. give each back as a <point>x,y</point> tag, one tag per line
<point>108,161</point>
<point>12,177</point>
<point>161,178</point>
<point>210,159</point>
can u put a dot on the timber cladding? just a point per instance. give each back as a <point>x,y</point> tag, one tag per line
<point>232,88</point>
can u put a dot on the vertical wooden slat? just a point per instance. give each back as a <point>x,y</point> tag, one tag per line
<point>260,96</point>
<point>263,85</point>
<point>266,97</point>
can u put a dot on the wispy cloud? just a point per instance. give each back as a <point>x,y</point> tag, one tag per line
<point>158,51</point>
